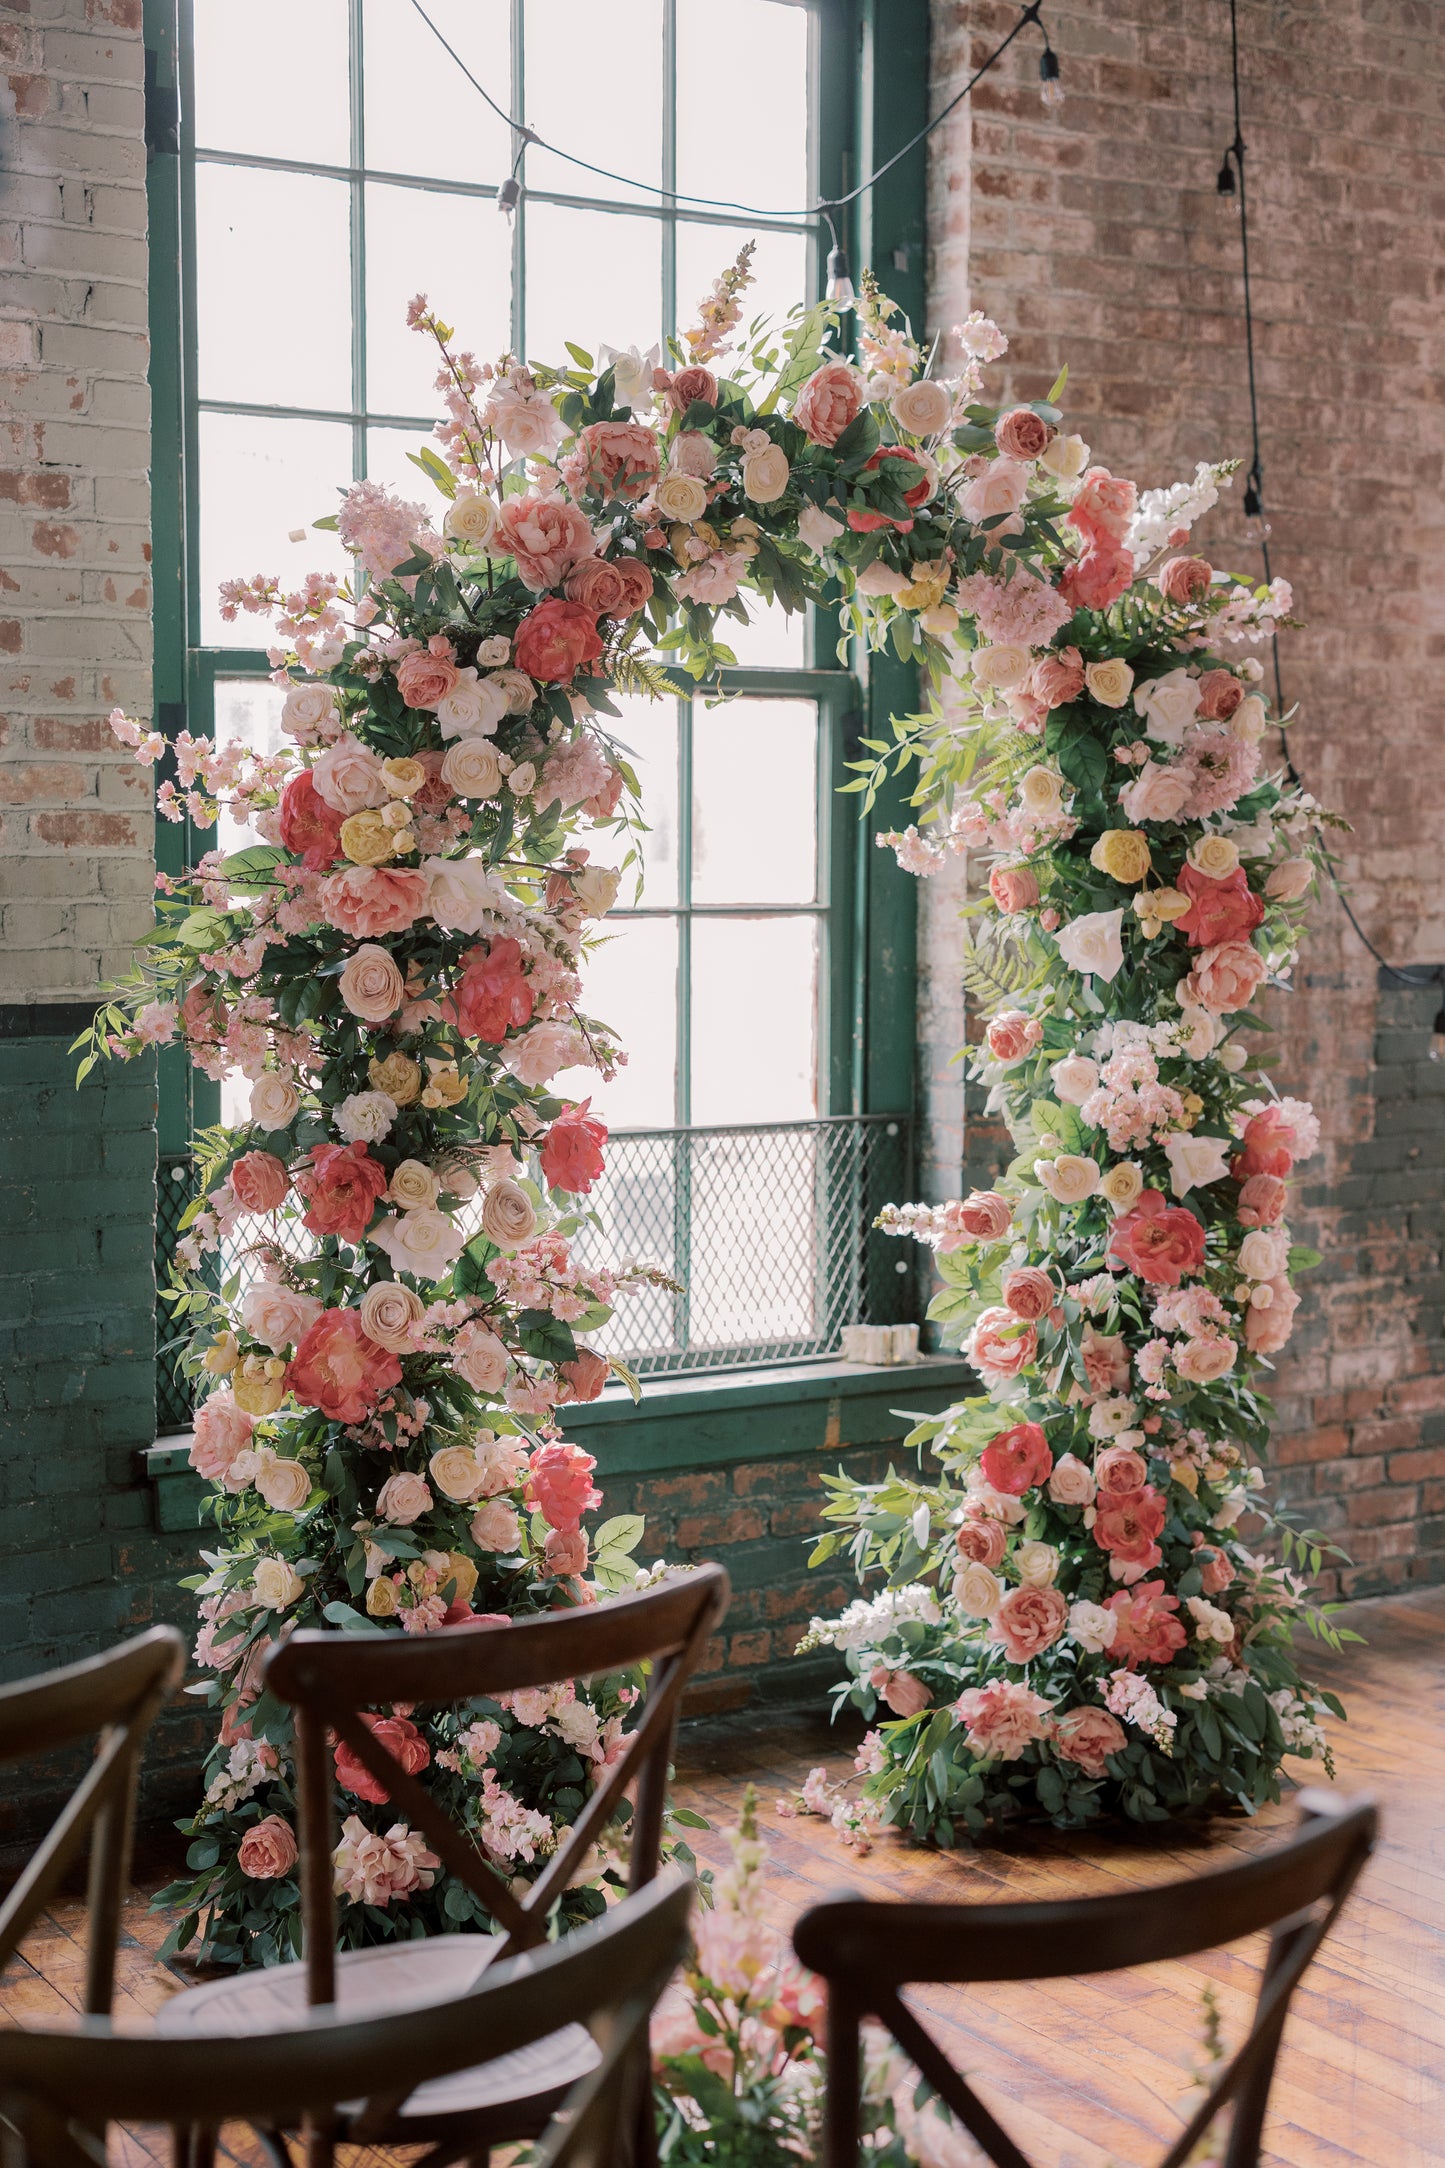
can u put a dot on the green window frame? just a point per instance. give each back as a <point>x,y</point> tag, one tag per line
<point>868,91</point>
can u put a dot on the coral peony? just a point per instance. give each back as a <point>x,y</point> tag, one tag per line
<point>555,640</point>
<point>308,826</point>
<point>1145,1628</point>
<point>559,1484</point>
<point>1225,910</point>
<point>572,1156</point>
<point>1159,1241</point>
<point>339,1370</point>
<point>1017,1459</point>
<point>341,1185</point>
<point>401,1740</point>
<point>493,997</point>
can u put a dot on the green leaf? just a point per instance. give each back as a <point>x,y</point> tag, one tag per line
<point>1085,763</point>
<point>622,1533</point>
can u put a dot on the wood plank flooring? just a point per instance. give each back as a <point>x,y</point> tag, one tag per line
<point>1085,2073</point>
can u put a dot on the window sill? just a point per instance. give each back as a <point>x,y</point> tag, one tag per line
<point>694,1422</point>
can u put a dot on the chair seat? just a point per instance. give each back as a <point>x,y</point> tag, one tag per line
<point>379,1982</point>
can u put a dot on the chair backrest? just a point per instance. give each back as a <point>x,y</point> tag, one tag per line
<point>868,1952</point>
<point>330,1678</point>
<point>113,1699</point>
<point>59,2091</point>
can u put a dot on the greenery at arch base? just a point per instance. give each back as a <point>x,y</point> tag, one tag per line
<point>379,1289</point>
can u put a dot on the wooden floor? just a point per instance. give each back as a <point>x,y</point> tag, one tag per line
<point>1086,2073</point>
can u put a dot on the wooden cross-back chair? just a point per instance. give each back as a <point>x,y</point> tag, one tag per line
<point>329,1678</point>
<point>867,1953</point>
<point>113,1700</point>
<point>347,2082</point>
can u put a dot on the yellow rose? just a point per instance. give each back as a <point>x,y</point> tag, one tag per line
<point>412,1185</point>
<point>222,1356</point>
<point>404,778</point>
<point>926,592</point>
<point>1123,1185</point>
<point>446,1088</point>
<point>1110,682</point>
<point>464,1573</point>
<point>765,474</point>
<point>284,1484</point>
<point>1165,903</point>
<point>381,1599</point>
<point>1186,1473</point>
<point>398,1076</point>
<point>680,497</point>
<point>1214,856</point>
<point>366,838</point>
<point>277,1584</point>
<point>1122,853</point>
<point>259,1384</point>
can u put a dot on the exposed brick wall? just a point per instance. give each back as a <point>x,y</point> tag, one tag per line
<point>1095,236</point>
<point>75,588</point>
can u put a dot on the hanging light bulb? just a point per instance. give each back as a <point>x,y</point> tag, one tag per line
<point>509,195</point>
<point>840,283</point>
<point>1256,526</point>
<point>1051,90</point>
<point>1225,187</point>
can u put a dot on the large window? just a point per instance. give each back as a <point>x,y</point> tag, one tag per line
<point>333,160</point>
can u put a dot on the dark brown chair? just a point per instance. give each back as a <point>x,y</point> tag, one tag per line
<point>868,1952</point>
<point>112,1699</point>
<point>353,2083</point>
<point>328,1679</point>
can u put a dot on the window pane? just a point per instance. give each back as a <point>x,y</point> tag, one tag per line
<point>257,343</point>
<point>754,1019</point>
<point>422,115</point>
<point>630,982</point>
<point>259,481</point>
<point>772,639</point>
<point>612,76</point>
<point>248,712</point>
<point>757,72</point>
<point>780,269</point>
<point>646,730</point>
<point>248,101</point>
<point>592,277</point>
<point>753,1258</point>
<point>457,250</point>
<point>387,462</point>
<point>743,751</point>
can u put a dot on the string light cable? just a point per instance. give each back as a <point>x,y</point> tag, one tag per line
<point>1232,187</point>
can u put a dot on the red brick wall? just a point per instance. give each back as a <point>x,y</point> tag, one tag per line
<point>1095,236</point>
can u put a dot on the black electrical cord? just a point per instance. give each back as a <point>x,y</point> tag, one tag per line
<point>1232,182</point>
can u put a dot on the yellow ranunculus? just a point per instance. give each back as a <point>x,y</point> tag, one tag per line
<point>366,838</point>
<point>1165,903</point>
<point>1122,853</point>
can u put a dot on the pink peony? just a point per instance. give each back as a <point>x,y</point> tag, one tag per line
<point>1028,1293</point>
<point>371,1869</point>
<point>1226,910</point>
<point>268,1851</point>
<point>1105,1357</point>
<point>559,1484</point>
<point>1266,1331</point>
<point>999,1347</point>
<point>341,1185</point>
<point>613,460</point>
<point>1003,1718</point>
<point>1161,1242</point>
<point>1028,1621</point>
<point>337,1369</point>
<point>1224,978</point>
<point>1216,1570</point>
<point>828,402</point>
<point>1016,1460</point>
<point>547,536</point>
<point>1145,1630</point>
<point>220,1431</point>
<point>259,1182</point>
<point>364,901</point>
<point>424,679</point>
<point>1087,1737</point>
<point>1274,1138</point>
<point>1014,888</point>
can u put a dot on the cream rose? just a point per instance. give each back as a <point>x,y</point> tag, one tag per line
<point>496,1527</point>
<point>278,1316</point>
<point>1003,668</point>
<point>284,1484</point>
<point>455,1472</point>
<point>1123,1185</point>
<point>389,1312</point>
<point>403,1498</point>
<point>978,1591</point>
<point>516,688</point>
<point>681,497</point>
<point>1168,704</point>
<point>471,518</point>
<point>1214,856</point>
<point>461,894</point>
<point>274,1101</point>
<point>277,1584</point>
<point>1069,1179</point>
<point>412,1185</point>
<point>508,1216</point>
<point>1041,793</point>
<point>1066,457</point>
<point>595,888</point>
<point>1249,720</point>
<point>1110,681</point>
<point>1286,884</point>
<point>472,769</point>
<point>765,474</point>
<point>473,708</point>
<point>1156,793</point>
<point>1074,1078</point>
<point>480,1357</point>
<point>1264,1253</point>
<point>881,579</point>
<point>424,1243</point>
<point>817,528</point>
<point>922,409</point>
<point>995,493</point>
<point>371,986</point>
<point>1092,945</point>
<point>1071,1482</point>
<point>348,776</point>
<point>308,712</point>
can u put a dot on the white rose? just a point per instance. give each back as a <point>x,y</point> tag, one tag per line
<point>456,1473</point>
<point>1092,1627</point>
<point>424,1242</point>
<point>1264,1253</point>
<point>1069,1179</point>
<point>307,712</point>
<point>816,529</point>
<point>508,1216</point>
<point>284,1484</point>
<point>1234,1057</point>
<point>1041,793</point>
<point>1003,667</point>
<point>516,688</point>
<point>461,894</point>
<point>680,497</point>
<point>1092,945</point>
<point>1250,719</point>
<point>277,1584</point>
<point>1195,1162</point>
<point>595,888</point>
<point>274,1101</point>
<point>922,409</point>
<point>1074,1078</point>
<point>1066,457</point>
<point>881,579</point>
<point>1286,884</point>
<point>1036,1564</point>
<point>765,474</point>
<point>472,769</point>
<point>1168,705</point>
<point>472,518</point>
<point>631,375</point>
<point>413,1186</point>
<point>977,1591</point>
<point>473,708</point>
<point>578,1725</point>
<point>1214,856</point>
<point>523,779</point>
<point>365,1117</point>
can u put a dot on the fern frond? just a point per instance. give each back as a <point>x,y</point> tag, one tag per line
<point>640,674</point>
<point>998,965</point>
